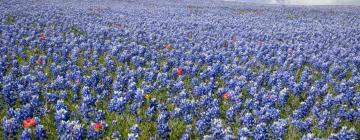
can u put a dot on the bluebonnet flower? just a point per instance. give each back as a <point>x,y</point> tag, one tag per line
<point>26,135</point>
<point>260,132</point>
<point>75,96</point>
<point>24,96</point>
<point>50,58</point>
<point>353,114</point>
<point>9,94</point>
<point>62,115</point>
<point>336,123</point>
<point>345,133</point>
<point>304,108</point>
<point>132,136</point>
<point>248,120</point>
<point>75,53</point>
<point>162,124</point>
<point>188,119</point>
<point>343,113</point>
<point>218,132</point>
<point>231,114</point>
<point>315,111</point>
<point>26,111</point>
<point>77,130</point>
<point>135,130</point>
<point>179,86</point>
<point>117,104</point>
<point>327,101</point>
<point>322,124</point>
<point>203,124</point>
<point>64,130</point>
<point>100,115</point>
<point>269,113</point>
<point>87,105</point>
<point>309,136</point>
<point>213,109</point>
<point>9,127</point>
<point>60,104</point>
<point>187,134</point>
<point>35,102</point>
<point>116,135</point>
<point>137,102</point>
<point>279,128</point>
<point>60,83</point>
<point>208,137</point>
<point>176,113</point>
<point>229,137</point>
<point>303,126</point>
<point>40,132</point>
<point>283,97</point>
<point>244,133</point>
<point>63,95</point>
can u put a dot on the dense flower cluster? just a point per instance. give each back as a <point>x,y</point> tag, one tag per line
<point>184,69</point>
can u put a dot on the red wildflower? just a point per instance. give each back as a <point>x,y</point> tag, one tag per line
<point>180,71</point>
<point>118,26</point>
<point>29,122</point>
<point>227,95</point>
<point>233,39</point>
<point>98,126</point>
<point>38,61</point>
<point>226,44</point>
<point>168,46</point>
<point>77,81</point>
<point>42,36</point>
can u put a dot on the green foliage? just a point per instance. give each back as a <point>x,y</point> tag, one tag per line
<point>102,59</point>
<point>10,20</point>
<point>293,133</point>
<point>177,128</point>
<point>357,87</point>
<point>246,11</point>
<point>76,30</point>
<point>292,103</point>
<point>348,75</point>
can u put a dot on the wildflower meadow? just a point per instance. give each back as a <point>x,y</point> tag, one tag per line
<point>178,69</point>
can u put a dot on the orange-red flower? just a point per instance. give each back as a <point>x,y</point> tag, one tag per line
<point>227,96</point>
<point>118,26</point>
<point>42,36</point>
<point>180,71</point>
<point>226,44</point>
<point>38,61</point>
<point>98,126</point>
<point>168,46</point>
<point>29,122</point>
<point>233,39</point>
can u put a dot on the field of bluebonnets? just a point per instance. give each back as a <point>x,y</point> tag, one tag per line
<point>178,70</point>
